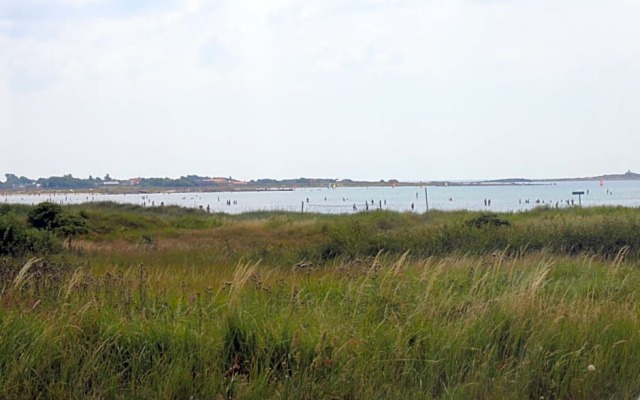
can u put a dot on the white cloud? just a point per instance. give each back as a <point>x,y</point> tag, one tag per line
<point>306,80</point>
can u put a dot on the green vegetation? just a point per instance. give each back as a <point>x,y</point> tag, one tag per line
<point>51,217</point>
<point>168,302</point>
<point>188,182</point>
<point>17,239</point>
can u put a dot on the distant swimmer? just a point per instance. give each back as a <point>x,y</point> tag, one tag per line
<point>354,207</point>
<point>412,206</point>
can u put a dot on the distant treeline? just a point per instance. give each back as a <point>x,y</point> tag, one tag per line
<point>54,182</point>
<point>68,181</point>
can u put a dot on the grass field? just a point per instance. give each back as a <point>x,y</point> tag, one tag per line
<point>175,303</point>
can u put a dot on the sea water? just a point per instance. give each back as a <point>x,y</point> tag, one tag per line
<point>507,197</point>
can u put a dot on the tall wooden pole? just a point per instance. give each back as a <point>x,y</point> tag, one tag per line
<point>426,199</point>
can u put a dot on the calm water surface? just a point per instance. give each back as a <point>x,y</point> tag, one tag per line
<point>342,200</point>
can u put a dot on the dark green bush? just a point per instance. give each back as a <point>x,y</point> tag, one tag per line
<point>487,220</point>
<point>70,225</point>
<point>18,239</point>
<point>51,217</point>
<point>44,215</point>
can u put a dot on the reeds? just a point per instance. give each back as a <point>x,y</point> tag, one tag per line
<point>379,305</point>
<point>395,327</point>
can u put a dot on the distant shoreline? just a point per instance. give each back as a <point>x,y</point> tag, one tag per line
<point>134,189</point>
<point>627,176</point>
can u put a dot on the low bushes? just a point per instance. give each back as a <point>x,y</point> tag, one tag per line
<point>17,239</point>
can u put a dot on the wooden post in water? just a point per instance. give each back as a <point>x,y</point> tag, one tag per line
<point>302,209</point>
<point>426,199</point>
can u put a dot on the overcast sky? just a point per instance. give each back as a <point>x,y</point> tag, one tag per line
<point>362,89</point>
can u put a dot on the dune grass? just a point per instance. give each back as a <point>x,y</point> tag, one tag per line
<point>387,327</point>
<point>174,303</point>
<point>162,235</point>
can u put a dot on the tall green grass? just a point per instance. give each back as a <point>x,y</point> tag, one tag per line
<point>387,327</point>
<point>176,303</point>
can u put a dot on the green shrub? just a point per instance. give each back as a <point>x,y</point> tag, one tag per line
<point>17,239</point>
<point>51,217</point>
<point>487,220</point>
<point>44,215</point>
<point>70,225</point>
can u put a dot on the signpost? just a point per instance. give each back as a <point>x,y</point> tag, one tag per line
<point>579,194</point>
